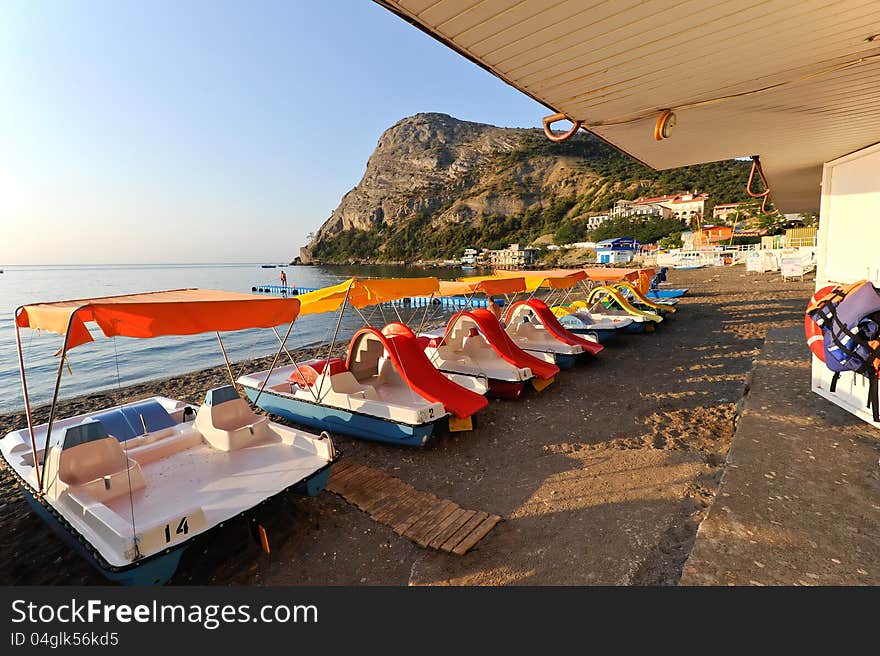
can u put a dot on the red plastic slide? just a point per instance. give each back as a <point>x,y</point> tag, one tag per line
<point>410,361</point>
<point>551,324</point>
<point>505,347</point>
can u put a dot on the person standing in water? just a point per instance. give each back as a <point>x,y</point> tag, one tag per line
<point>283,278</point>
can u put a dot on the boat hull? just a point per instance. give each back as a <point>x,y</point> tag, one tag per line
<point>505,389</point>
<point>666,293</point>
<point>153,571</point>
<point>561,360</point>
<point>604,335</point>
<point>337,420</point>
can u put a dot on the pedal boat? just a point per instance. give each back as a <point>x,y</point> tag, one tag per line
<point>129,487</point>
<point>664,294</point>
<point>535,329</point>
<point>475,344</point>
<point>577,319</point>
<point>638,300</point>
<point>386,390</point>
<point>609,302</point>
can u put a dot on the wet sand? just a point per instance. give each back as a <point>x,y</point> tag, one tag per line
<point>603,478</point>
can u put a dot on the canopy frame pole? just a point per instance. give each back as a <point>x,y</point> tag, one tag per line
<point>424,318</point>
<point>226,360</point>
<point>290,357</point>
<point>325,372</point>
<point>27,402</point>
<point>293,362</point>
<point>365,320</point>
<point>55,393</point>
<point>274,361</point>
<point>396,311</point>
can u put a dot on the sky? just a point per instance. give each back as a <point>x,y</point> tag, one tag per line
<point>206,131</point>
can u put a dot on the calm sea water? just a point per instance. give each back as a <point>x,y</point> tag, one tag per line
<point>94,366</point>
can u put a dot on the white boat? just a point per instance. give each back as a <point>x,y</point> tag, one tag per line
<point>474,343</point>
<point>130,486</point>
<point>577,318</point>
<point>385,390</point>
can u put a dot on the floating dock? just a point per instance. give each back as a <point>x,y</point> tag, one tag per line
<point>454,302</point>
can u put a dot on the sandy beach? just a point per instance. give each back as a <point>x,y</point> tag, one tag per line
<point>602,478</point>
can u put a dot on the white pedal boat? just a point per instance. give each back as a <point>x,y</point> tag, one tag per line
<point>386,390</point>
<point>464,351</point>
<point>132,485</point>
<point>129,487</point>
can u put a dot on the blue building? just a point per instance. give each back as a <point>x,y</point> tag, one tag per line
<point>617,251</point>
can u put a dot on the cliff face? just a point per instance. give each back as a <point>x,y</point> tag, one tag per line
<point>420,164</point>
<point>433,174</point>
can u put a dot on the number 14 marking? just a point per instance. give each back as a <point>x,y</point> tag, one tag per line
<point>182,529</point>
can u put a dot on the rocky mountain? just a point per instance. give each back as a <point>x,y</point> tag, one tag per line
<point>436,185</point>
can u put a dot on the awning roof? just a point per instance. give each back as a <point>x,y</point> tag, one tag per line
<point>533,279</point>
<point>488,286</point>
<point>152,314</point>
<point>364,292</point>
<point>794,81</point>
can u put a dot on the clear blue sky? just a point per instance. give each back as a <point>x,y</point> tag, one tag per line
<point>206,131</point>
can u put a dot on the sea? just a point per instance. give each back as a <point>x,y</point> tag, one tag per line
<point>109,363</point>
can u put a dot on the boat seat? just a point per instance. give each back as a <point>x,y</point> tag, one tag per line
<point>228,423</point>
<point>129,421</point>
<point>365,362</point>
<point>164,443</point>
<point>100,468</point>
<point>345,383</point>
<point>526,329</point>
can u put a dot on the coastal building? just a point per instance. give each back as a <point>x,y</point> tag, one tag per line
<point>706,236</point>
<point>806,236</point>
<point>728,211</point>
<point>617,251</point>
<point>593,222</point>
<point>514,256</point>
<point>470,257</point>
<point>686,207</point>
<point>689,208</point>
<point>643,207</point>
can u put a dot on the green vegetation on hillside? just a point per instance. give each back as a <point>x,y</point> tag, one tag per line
<point>622,177</point>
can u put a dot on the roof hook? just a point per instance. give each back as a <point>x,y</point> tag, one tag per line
<point>553,118</point>
<point>765,195</point>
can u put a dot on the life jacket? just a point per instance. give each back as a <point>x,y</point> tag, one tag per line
<point>848,317</point>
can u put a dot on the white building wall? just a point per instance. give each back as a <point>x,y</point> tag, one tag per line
<point>849,250</point>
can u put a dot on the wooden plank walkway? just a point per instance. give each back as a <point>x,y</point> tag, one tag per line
<point>425,519</point>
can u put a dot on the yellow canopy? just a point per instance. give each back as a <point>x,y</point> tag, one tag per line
<point>534,279</point>
<point>364,292</point>
<point>489,286</point>
<point>152,314</point>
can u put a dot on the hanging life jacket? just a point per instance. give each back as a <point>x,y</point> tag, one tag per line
<point>849,319</point>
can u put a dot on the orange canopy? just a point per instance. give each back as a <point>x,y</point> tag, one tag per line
<point>488,286</point>
<point>610,274</point>
<point>362,292</point>
<point>535,279</point>
<point>578,274</point>
<point>152,314</point>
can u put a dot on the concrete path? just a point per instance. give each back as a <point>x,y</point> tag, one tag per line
<point>799,503</point>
